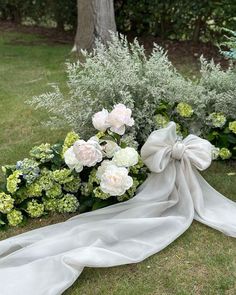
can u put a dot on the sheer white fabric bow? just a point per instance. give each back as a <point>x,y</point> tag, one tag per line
<point>48,260</point>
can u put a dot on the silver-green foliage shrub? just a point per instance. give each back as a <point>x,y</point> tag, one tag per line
<point>220,86</point>
<point>122,73</point>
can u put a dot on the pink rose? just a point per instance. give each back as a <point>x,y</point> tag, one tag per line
<point>88,153</point>
<point>119,117</point>
<point>100,120</point>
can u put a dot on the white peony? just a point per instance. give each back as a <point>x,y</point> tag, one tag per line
<point>119,117</point>
<point>115,181</point>
<point>109,148</point>
<point>71,161</point>
<point>101,169</point>
<point>88,153</point>
<point>100,120</point>
<point>126,157</point>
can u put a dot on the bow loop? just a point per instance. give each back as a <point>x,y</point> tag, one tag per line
<point>162,147</point>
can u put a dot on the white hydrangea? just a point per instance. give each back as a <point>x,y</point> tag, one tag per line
<point>126,157</point>
<point>115,181</point>
<point>215,152</point>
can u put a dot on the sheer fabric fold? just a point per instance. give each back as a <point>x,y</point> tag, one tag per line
<point>48,260</point>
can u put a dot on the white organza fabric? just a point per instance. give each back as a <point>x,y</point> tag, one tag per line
<point>48,260</point>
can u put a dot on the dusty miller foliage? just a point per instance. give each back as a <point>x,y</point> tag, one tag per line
<point>122,73</point>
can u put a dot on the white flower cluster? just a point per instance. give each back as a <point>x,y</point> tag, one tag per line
<point>116,120</point>
<point>113,174</point>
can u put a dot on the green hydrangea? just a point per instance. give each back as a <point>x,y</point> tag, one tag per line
<point>70,139</point>
<point>225,153</point>
<point>46,180</point>
<point>217,119</point>
<point>86,189</point>
<point>73,186</point>
<point>62,176</point>
<point>98,193</point>
<point>50,204</point>
<point>7,168</point>
<point>34,190</point>
<point>184,110</point>
<point>13,181</point>
<point>29,169</point>
<point>6,203</point>
<point>68,204</point>
<point>161,121</point>
<point>232,126</point>
<point>55,191</point>
<point>133,188</point>
<point>136,168</point>
<point>123,198</point>
<point>42,153</point>
<point>15,217</point>
<point>20,195</point>
<point>93,177</point>
<point>35,209</point>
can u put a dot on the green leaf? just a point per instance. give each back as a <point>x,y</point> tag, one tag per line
<point>232,138</point>
<point>2,222</point>
<point>102,203</point>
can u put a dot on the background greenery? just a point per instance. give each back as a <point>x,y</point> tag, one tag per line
<point>200,262</point>
<point>174,19</point>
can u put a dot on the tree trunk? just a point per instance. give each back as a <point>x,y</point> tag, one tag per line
<point>95,19</point>
<point>197,30</point>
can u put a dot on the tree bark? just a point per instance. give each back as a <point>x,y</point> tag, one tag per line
<point>95,19</point>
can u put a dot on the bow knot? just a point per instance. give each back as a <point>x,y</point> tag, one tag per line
<point>178,150</point>
<point>162,148</point>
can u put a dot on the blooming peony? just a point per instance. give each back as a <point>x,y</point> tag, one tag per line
<point>119,117</point>
<point>88,153</point>
<point>109,148</point>
<point>101,169</point>
<point>115,181</point>
<point>126,157</point>
<point>100,120</point>
<point>71,161</point>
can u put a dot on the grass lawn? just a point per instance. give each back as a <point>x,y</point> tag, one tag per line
<point>202,261</point>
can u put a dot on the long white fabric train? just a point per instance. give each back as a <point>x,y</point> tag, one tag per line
<point>48,260</point>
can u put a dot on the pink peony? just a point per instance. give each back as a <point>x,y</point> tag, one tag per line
<point>88,153</point>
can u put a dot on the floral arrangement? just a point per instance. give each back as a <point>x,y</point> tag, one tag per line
<point>219,130</point>
<point>75,175</point>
